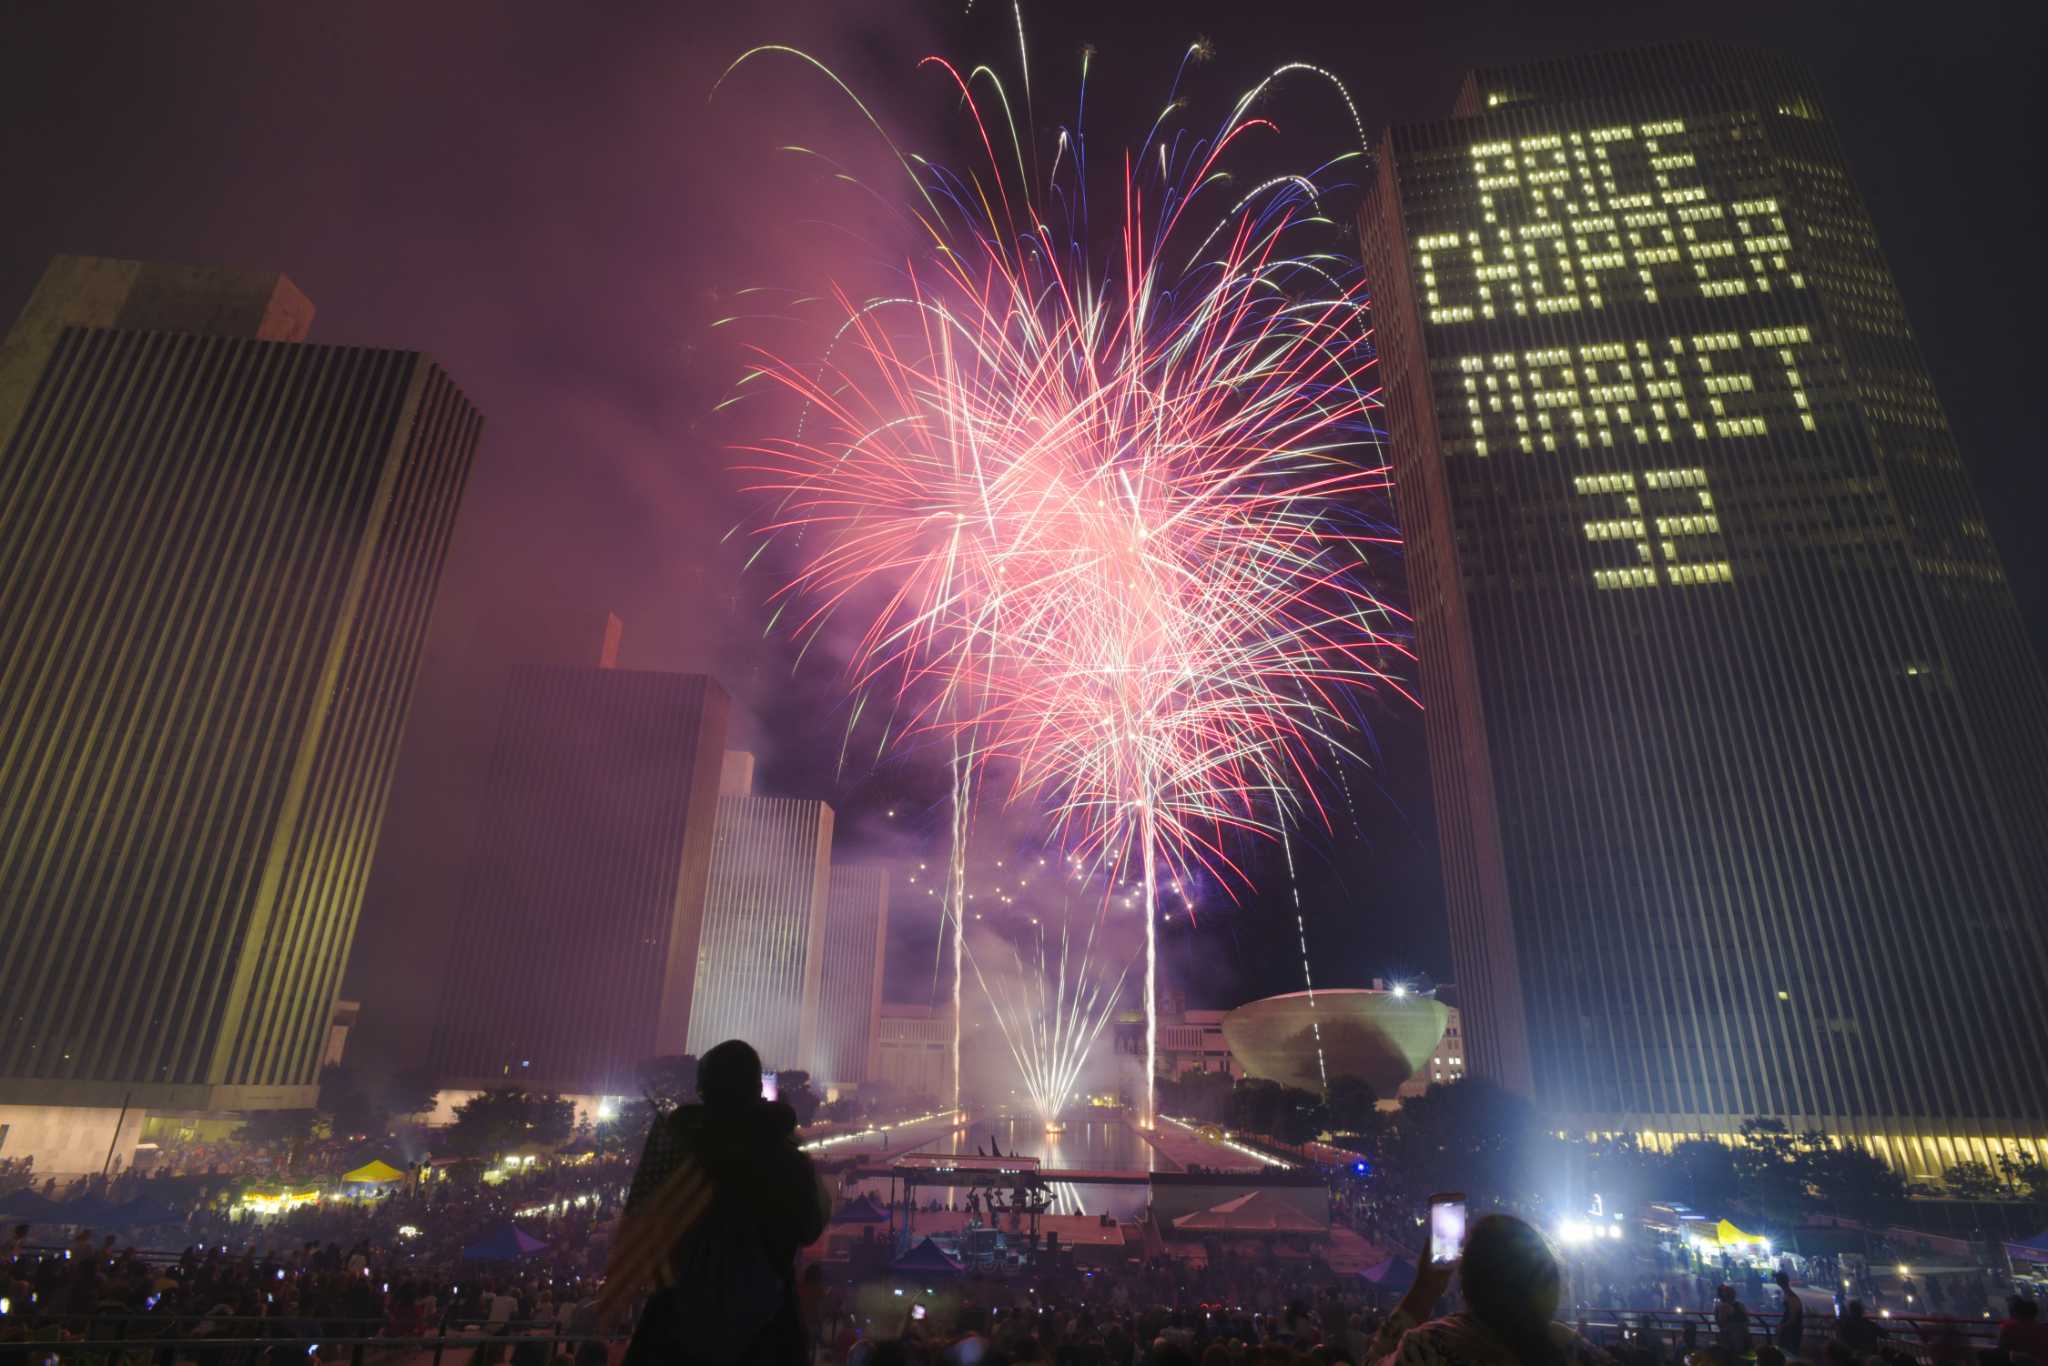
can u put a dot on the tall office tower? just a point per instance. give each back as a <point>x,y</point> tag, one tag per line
<point>576,944</point>
<point>1737,737</point>
<point>219,547</point>
<point>914,1050</point>
<point>760,963</point>
<point>850,986</point>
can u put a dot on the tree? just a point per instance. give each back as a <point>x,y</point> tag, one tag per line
<point>278,1126</point>
<point>1471,1135</point>
<point>1302,1116</point>
<point>2029,1177</point>
<point>1352,1105</point>
<point>552,1119</point>
<point>1626,1175</point>
<point>793,1088</point>
<point>412,1091</point>
<point>1255,1105</point>
<point>493,1122</point>
<point>1770,1172</point>
<point>878,1097</point>
<point>669,1081</point>
<point>1973,1181</point>
<point>1200,1096</point>
<point>1854,1183</point>
<point>349,1104</point>
<point>626,1132</point>
<point>1703,1173</point>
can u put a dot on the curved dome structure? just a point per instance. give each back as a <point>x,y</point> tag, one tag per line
<point>1381,1037</point>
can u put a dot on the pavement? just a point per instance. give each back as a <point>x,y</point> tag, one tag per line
<point>1183,1148</point>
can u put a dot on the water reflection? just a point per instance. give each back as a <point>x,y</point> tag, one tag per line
<point>1084,1145</point>
<point>1090,1145</point>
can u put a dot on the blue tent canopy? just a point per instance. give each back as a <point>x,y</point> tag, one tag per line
<point>927,1259</point>
<point>863,1210</point>
<point>503,1244</point>
<point>1394,1273</point>
<point>2034,1249</point>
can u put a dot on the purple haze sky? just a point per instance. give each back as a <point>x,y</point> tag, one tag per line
<point>541,196</point>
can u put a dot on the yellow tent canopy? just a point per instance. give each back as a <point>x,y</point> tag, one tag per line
<point>374,1172</point>
<point>277,1202</point>
<point>1727,1234</point>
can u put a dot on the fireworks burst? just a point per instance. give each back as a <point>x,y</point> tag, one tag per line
<point>1051,1011</point>
<point>1107,521</point>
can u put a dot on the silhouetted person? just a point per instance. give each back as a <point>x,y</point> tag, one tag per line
<point>723,1201</point>
<point>1857,1331</point>
<point>1512,1285</point>
<point>2023,1333</point>
<point>1731,1326</point>
<point>1791,1330</point>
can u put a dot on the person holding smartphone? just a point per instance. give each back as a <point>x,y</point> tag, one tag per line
<point>1511,1284</point>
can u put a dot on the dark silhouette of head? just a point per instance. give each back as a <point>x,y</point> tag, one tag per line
<point>1510,1279</point>
<point>1854,1309</point>
<point>1784,1281</point>
<point>729,1074</point>
<point>2025,1309</point>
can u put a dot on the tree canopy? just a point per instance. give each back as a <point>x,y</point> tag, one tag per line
<point>491,1123</point>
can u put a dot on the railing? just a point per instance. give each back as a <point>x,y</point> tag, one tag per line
<point>271,1351</point>
<point>1916,1335</point>
<point>120,1327</point>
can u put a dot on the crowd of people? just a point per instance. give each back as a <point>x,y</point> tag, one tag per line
<point>390,1267</point>
<point>697,1250</point>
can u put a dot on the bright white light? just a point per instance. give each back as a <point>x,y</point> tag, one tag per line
<point>1400,990</point>
<point>1573,1232</point>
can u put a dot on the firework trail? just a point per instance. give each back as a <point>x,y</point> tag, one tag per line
<point>1108,523</point>
<point>1051,1013</point>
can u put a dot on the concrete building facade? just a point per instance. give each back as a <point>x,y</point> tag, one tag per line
<point>850,986</point>
<point>760,960</point>
<point>576,945</point>
<point>1740,749</point>
<point>914,1050</point>
<point>219,549</point>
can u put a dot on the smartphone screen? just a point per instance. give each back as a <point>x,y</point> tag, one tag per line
<point>768,1086</point>
<point>917,1311</point>
<point>1446,1227</point>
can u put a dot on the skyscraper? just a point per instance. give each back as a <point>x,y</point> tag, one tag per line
<point>219,547</point>
<point>850,985</point>
<point>760,963</point>
<point>576,945</point>
<point>1736,735</point>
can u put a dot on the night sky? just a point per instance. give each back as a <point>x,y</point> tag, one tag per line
<point>543,197</point>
